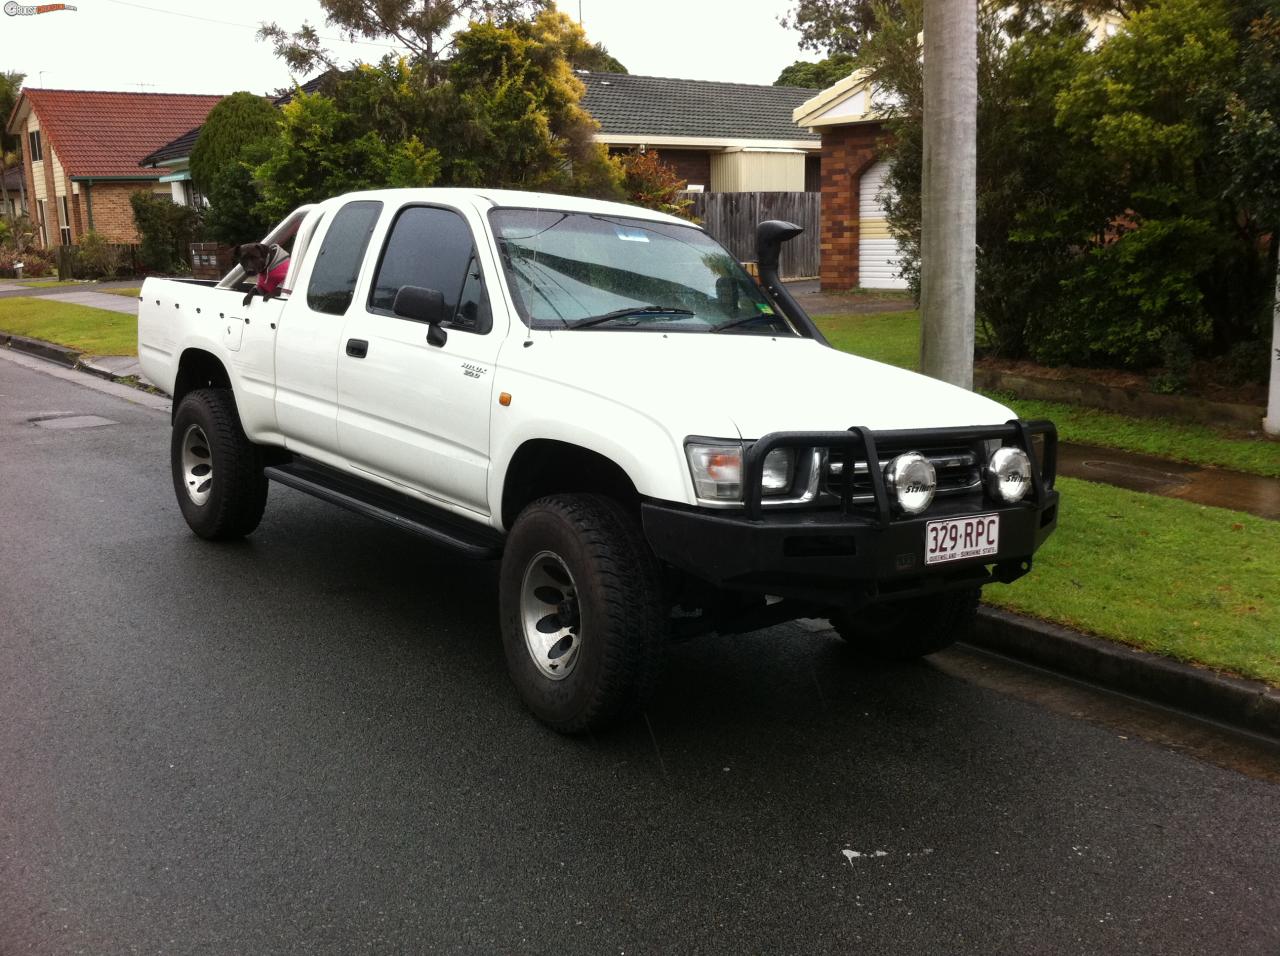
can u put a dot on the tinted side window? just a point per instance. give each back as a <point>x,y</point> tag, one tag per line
<point>432,248</point>
<point>333,279</point>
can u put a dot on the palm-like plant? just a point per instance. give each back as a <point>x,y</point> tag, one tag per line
<point>8,161</point>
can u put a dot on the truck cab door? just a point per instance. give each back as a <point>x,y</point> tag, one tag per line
<point>308,340</point>
<point>409,411</point>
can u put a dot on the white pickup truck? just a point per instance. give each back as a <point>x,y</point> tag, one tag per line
<point>654,443</point>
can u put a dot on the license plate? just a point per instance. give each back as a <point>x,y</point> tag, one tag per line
<point>954,539</point>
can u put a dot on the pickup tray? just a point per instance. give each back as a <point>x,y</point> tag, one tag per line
<point>382,504</point>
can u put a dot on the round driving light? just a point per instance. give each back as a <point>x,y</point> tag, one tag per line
<point>912,480</point>
<point>1008,474</point>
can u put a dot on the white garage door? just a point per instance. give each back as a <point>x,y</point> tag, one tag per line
<point>877,250</point>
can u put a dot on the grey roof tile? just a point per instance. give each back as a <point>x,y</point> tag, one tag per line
<point>627,105</point>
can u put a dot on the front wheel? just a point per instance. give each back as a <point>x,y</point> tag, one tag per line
<point>583,626</point>
<point>217,471</point>
<point>904,630</point>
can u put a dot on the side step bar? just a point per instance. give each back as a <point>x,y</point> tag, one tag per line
<point>381,504</point>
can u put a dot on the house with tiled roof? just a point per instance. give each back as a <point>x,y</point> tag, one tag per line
<point>81,152</point>
<point>173,162</point>
<point>722,137</point>
<point>173,159</point>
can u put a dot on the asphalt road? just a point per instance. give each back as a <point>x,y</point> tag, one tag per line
<point>307,743</point>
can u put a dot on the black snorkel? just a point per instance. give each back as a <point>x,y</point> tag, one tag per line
<point>770,235</point>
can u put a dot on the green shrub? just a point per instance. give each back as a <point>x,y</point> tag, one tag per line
<point>98,258</point>
<point>36,263</point>
<point>167,230</point>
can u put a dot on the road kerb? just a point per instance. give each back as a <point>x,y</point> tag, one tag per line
<point>41,349</point>
<point>1249,705</point>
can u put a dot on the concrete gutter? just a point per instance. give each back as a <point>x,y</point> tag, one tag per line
<point>45,350</point>
<point>1245,704</point>
<point>121,369</point>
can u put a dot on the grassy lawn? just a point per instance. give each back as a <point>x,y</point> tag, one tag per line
<point>130,292</point>
<point>93,331</point>
<point>43,283</point>
<point>894,337</point>
<point>1194,583</point>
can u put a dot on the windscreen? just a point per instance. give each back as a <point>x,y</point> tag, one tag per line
<point>571,270</point>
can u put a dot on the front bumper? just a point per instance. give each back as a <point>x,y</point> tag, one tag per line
<point>854,555</point>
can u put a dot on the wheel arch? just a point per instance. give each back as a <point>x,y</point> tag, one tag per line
<point>547,466</point>
<point>198,368</point>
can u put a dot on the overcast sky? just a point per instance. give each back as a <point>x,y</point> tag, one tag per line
<point>192,46</point>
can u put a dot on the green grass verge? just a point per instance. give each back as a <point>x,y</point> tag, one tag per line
<point>93,331</point>
<point>1194,583</point>
<point>129,291</point>
<point>43,283</point>
<point>894,337</point>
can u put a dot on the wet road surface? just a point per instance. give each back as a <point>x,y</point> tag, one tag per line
<point>306,742</point>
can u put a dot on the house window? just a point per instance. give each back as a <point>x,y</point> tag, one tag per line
<point>33,138</point>
<point>64,221</point>
<point>40,221</point>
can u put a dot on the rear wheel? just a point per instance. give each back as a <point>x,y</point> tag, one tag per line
<point>903,630</point>
<point>217,471</point>
<point>583,626</point>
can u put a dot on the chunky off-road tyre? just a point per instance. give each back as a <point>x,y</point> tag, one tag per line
<point>583,622</point>
<point>904,630</point>
<point>217,471</point>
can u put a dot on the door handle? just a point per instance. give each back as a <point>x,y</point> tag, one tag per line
<point>357,348</point>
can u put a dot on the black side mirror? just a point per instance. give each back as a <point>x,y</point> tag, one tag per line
<point>422,305</point>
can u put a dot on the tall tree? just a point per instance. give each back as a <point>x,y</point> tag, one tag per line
<point>820,75</point>
<point>948,226</point>
<point>10,146</point>
<point>510,114</point>
<point>221,161</point>
<point>1251,146</point>
<point>418,25</point>
<point>596,59</point>
<point>837,26</point>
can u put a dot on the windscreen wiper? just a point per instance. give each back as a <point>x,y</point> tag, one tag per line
<point>634,310</point>
<point>742,320</point>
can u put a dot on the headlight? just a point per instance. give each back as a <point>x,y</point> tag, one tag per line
<point>1008,474</point>
<point>912,479</point>
<point>717,470</point>
<point>779,468</point>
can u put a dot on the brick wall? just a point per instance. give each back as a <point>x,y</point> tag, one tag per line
<point>112,213</point>
<point>691,165</point>
<point>847,151</point>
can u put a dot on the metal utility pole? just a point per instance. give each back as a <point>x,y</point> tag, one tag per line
<point>948,227</point>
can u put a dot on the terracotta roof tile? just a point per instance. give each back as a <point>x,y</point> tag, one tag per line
<point>107,134</point>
